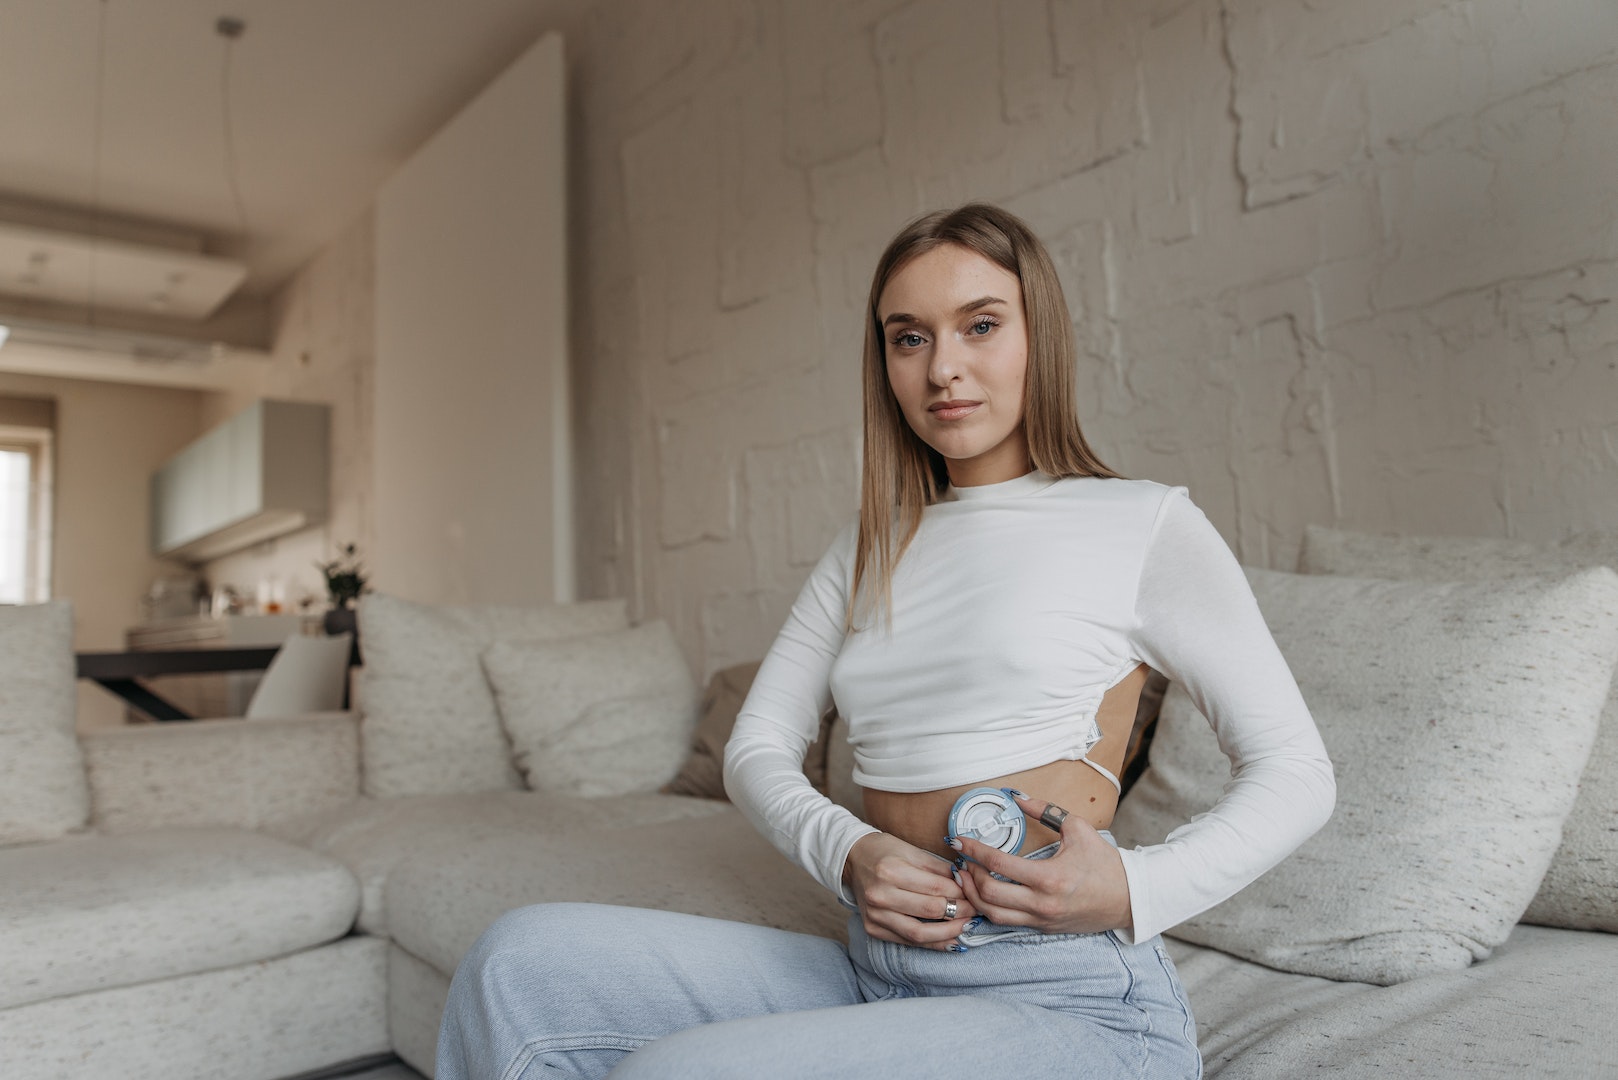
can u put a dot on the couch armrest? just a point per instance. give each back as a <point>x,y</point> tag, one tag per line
<point>246,773</point>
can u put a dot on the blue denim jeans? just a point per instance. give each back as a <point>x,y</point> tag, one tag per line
<point>584,990</point>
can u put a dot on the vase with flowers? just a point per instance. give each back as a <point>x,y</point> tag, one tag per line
<point>345,584</point>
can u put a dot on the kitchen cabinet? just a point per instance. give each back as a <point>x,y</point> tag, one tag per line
<point>261,474</point>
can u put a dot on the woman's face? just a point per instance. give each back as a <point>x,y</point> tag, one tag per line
<point>956,343</point>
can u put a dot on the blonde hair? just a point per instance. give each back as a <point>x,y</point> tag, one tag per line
<point>901,475</point>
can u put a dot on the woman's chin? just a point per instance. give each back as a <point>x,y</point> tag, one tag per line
<point>959,452</point>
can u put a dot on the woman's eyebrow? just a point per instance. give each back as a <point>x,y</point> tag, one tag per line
<point>970,305</point>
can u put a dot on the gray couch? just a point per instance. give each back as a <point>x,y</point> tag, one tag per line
<point>240,911</point>
<point>244,903</point>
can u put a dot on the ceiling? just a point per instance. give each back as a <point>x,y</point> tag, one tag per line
<point>327,97</point>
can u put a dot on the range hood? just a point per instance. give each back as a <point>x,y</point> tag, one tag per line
<point>261,474</point>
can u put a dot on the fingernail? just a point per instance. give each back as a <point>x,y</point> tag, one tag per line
<point>974,922</point>
<point>956,874</point>
<point>1019,794</point>
<point>957,948</point>
<point>960,861</point>
<point>953,842</point>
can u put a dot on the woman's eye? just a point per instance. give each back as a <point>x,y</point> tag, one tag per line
<point>981,327</point>
<point>907,340</point>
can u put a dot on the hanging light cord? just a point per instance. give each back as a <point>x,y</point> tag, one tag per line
<point>95,158</point>
<point>230,29</point>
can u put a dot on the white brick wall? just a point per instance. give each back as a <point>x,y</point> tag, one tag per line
<point>1349,263</point>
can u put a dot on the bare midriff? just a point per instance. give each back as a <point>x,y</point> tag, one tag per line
<point>922,817</point>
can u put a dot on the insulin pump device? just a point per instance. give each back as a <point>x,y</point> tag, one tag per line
<point>990,816</point>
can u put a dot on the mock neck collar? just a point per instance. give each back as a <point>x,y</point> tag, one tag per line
<point>1026,484</point>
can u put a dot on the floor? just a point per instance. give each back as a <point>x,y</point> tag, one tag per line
<point>397,1071</point>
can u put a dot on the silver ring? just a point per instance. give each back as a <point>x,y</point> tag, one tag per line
<point>950,909</point>
<point>1052,817</point>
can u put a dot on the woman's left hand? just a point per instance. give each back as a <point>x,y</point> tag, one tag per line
<point>1079,890</point>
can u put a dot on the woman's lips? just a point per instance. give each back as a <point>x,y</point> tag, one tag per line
<point>955,412</point>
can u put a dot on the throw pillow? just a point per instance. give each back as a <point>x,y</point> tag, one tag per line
<point>1457,717</point>
<point>430,725</point>
<point>608,714</point>
<point>702,775</point>
<point>1138,752</point>
<point>43,791</point>
<point>1580,890</point>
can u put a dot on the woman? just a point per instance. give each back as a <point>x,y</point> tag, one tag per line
<point>985,621</point>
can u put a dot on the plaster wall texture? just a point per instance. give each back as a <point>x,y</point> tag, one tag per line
<point>1339,263</point>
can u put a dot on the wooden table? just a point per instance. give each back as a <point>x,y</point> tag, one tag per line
<point>118,672</point>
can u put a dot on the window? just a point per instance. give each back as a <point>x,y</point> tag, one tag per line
<point>27,434</point>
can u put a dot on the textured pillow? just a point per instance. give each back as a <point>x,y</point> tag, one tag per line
<point>1138,751</point>
<point>1457,717</point>
<point>702,775</point>
<point>609,714</point>
<point>1580,890</point>
<point>430,725</point>
<point>43,792</point>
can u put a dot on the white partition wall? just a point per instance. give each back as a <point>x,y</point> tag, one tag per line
<point>472,480</point>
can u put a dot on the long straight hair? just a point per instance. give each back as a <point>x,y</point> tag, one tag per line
<point>901,475</point>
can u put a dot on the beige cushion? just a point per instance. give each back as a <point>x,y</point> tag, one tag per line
<point>371,836</point>
<point>430,723</point>
<point>607,714</point>
<point>1541,1007</point>
<point>267,1018</point>
<point>221,772</point>
<point>440,901</point>
<point>702,774</point>
<point>417,994</point>
<point>43,793</point>
<point>1580,890</point>
<point>91,912</point>
<point>1457,717</point>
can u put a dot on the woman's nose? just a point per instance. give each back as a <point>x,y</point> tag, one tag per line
<point>945,365</point>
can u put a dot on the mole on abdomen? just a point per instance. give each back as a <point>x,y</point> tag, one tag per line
<point>1092,798</point>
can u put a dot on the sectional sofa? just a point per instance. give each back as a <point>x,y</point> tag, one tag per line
<point>277,898</point>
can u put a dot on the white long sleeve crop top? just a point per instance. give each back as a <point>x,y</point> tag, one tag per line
<point>1015,608</point>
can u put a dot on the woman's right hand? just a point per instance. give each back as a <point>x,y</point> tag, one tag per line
<point>902,891</point>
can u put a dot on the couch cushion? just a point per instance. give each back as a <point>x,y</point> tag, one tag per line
<point>1580,889</point>
<point>1458,717</point>
<point>604,714</point>
<point>370,836</point>
<point>91,912</point>
<point>430,722</point>
<point>43,792</point>
<point>268,1018</point>
<point>417,994</point>
<point>221,772</point>
<point>703,771</point>
<point>439,902</point>
<point>1538,1007</point>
